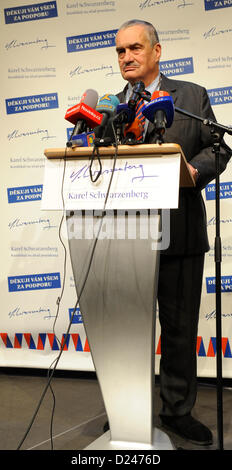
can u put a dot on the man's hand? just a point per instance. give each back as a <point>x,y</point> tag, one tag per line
<point>194,172</point>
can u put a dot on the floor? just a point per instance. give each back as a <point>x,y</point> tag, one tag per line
<point>79,413</point>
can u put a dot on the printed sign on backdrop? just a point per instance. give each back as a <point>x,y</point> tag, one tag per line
<point>177,66</point>
<point>217,4</point>
<point>91,41</point>
<point>34,12</point>
<point>31,103</point>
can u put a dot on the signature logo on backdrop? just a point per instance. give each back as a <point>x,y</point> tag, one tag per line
<point>157,3</point>
<point>215,4</point>
<point>212,221</point>
<point>42,133</point>
<point>212,315</point>
<point>18,223</point>
<point>214,32</point>
<point>43,44</point>
<point>107,69</point>
<point>37,11</point>
<point>20,312</point>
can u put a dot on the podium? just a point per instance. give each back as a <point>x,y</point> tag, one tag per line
<point>119,271</point>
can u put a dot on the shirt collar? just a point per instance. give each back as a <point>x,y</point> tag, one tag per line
<point>151,88</point>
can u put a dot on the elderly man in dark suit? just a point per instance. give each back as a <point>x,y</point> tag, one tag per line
<point>181,265</point>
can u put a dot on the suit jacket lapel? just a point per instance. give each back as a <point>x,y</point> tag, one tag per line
<point>122,95</point>
<point>169,86</point>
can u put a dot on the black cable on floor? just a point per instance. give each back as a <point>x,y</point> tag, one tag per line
<point>56,361</point>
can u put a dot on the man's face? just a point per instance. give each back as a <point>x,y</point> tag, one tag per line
<point>137,59</point>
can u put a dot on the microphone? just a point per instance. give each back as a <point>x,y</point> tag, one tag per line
<point>106,106</point>
<point>137,91</point>
<point>83,115</point>
<point>124,114</point>
<point>86,139</point>
<point>132,132</point>
<point>126,111</point>
<point>160,111</point>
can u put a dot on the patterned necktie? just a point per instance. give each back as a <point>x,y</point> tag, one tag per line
<point>140,118</point>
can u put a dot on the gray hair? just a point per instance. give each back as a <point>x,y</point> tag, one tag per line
<point>152,33</point>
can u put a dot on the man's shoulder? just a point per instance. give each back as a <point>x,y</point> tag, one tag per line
<point>170,84</point>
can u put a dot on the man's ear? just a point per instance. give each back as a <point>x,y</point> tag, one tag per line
<point>157,51</point>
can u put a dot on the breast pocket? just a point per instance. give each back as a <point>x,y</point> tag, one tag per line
<point>181,132</point>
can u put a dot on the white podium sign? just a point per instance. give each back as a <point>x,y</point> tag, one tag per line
<point>138,183</point>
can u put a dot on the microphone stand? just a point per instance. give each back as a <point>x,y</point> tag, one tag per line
<point>217,131</point>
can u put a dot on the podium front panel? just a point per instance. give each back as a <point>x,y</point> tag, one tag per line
<point>118,309</point>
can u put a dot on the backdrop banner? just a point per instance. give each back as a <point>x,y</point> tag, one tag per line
<point>52,52</point>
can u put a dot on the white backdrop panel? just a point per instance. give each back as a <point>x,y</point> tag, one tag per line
<point>52,52</point>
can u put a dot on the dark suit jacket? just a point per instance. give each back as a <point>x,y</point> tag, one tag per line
<point>188,222</point>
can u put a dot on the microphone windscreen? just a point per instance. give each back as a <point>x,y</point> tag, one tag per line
<point>85,113</point>
<point>134,128</point>
<point>127,112</point>
<point>107,104</point>
<point>90,97</point>
<point>162,103</point>
<point>159,94</point>
<point>137,89</point>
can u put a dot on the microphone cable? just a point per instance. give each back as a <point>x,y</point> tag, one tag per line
<point>51,370</point>
<point>49,377</point>
<point>92,159</point>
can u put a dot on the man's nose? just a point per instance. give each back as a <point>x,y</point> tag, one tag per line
<point>128,56</point>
